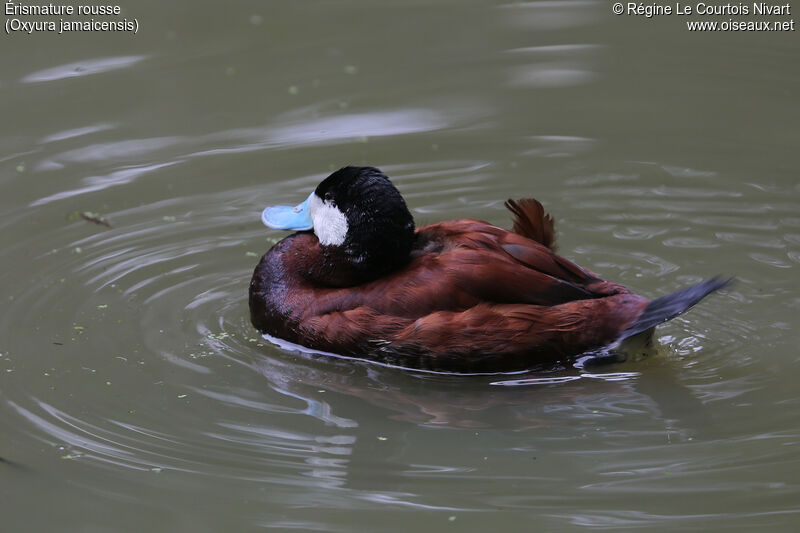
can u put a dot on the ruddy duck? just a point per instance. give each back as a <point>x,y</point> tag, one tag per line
<point>357,279</point>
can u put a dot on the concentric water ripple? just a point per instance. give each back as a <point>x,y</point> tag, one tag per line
<point>124,375</point>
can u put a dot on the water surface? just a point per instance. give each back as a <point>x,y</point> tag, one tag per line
<point>134,394</point>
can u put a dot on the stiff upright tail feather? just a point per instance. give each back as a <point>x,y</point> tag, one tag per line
<point>669,306</point>
<point>531,221</point>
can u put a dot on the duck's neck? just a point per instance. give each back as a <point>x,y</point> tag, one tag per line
<point>342,266</point>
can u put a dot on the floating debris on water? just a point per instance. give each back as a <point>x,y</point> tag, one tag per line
<point>95,218</point>
<point>89,216</point>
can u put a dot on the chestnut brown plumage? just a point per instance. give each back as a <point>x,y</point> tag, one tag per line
<point>471,297</point>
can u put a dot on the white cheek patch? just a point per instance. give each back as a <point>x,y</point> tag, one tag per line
<point>330,224</point>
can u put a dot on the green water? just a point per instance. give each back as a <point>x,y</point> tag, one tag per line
<point>135,396</point>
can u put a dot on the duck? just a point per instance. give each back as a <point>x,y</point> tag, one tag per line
<point>358,279</point>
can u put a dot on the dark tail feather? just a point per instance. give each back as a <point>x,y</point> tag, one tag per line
<point>669,306</point>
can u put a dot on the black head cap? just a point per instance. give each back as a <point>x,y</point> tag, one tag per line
<point>380,229</point>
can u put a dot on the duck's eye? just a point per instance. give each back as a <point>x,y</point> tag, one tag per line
<point>329,197</point>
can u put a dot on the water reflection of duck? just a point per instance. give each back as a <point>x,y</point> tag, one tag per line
<point>340,394</point>
<point>357,279</point>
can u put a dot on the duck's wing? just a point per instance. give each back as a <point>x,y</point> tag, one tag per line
<point>461,264</point>
<point>534,224</point>
<point>511,260</point>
